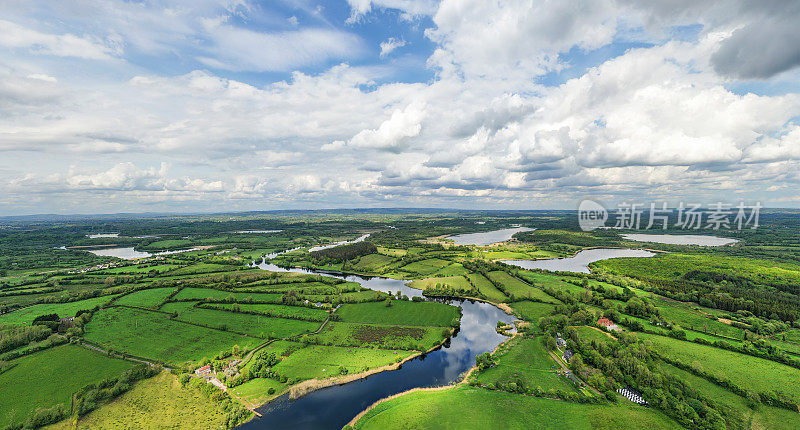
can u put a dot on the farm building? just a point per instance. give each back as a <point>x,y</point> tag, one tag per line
<point>203,371</point>
<point>607,323</point>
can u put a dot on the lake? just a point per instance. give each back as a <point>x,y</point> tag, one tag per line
<point>681,239</point>
<point>487,237</point>
<point>124,253</point>
<point>132,254</point>
<point>580,262</point>
<point>99,235</point>
<point>344,242</point>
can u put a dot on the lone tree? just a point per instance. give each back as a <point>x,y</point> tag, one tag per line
<point>388,302</point>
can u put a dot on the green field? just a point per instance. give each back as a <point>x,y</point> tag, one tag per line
<point>487,288</point>
<point>46,378</point>
<point>153,335</point>
<point>401,313</point>
<point>735,410</point>
<point>158,402</point>
<point>738,368</point>
<point>372,262</point>
<point>281,311</point>
<point>525,362</point>
<point>532,311</point>
<point>519,288</point>
<point>693,319</point>
<point>671,266</point>
<point>27,315</point>
<point>316,361</point>
<point>459,282</point>
<point>511,284</point>
<point>138,269</point>
<point>207,293</point>
<point>145,298</point>
<point>252,325</point>
<point>420,338</point>
<point>589,334</point>
<point>466,407</point>
<point>256,391</point>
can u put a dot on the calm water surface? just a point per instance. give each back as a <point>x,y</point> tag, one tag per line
<point>132,254</point>
<point>487,237</point>
<point>333,407</point>
<point>580,262</point>
<point>681,239</point>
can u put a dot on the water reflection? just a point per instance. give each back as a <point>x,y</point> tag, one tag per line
<point>681,239</point>
<point>580,262</point>
<point>333,407</point>
<point>487,237</point>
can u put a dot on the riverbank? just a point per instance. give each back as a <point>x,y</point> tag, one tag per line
<point>462,380</point>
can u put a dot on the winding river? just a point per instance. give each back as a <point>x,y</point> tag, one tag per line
<point>333,407</point>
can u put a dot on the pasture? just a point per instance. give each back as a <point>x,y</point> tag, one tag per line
<point>26,315</point>
<point>145,298</point>
<point>738,368</point>
<point>251,325</point>
<point>401,313</point>
<point>445,409</point>
<point>316,361</point>
<point>458,282</point>
<point>207,293</point>
<point>158,402</point>
<point>532,311</point>
<point>153,335</point>
<point>487,288</point>
<point>50,377</point>
<point>279,311</point>
<point>420,338</point>
<point>524,361</point>
<point>735,410</point>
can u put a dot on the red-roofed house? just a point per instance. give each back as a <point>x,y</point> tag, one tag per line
<point>203,371</point>
<point>607,323</point>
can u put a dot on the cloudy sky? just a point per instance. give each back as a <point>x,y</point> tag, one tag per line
<point>204,105</point>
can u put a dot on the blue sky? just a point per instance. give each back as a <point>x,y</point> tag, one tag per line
<point>115,106</point>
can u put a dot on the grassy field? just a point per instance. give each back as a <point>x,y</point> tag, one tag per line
<point>511,284</point>
<point>316,361</point>
<point>256,391</point>
<point>420,338</point>
<point>734,407</point>
<point>487,288</point>
<point>26,315</point>
<point>532,311</point>
<point>524,361</point>
<point>139,268</point>
<point>450,281</point>
<point>253,325</point>
<point>589,334</point>
<point>673,265</point>
<point>693,319</point>
<point>400,313</point>
<point>372,262</point>
<point>281,311</point>
<point>207,293</point>
<point>738,368</point>
<point>47,378</point>
<point>153,335</point>
<point>445,409</point>
<point>145,298</point>
<point>158,402</point>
